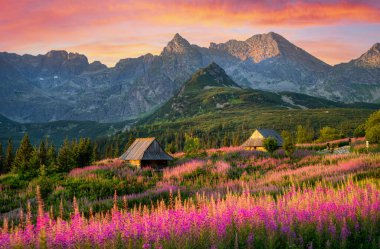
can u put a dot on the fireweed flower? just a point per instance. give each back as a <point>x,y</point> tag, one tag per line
<point>298,215</point>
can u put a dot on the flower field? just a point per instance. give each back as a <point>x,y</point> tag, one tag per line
<point>316,218</point>
<point>229,198</point>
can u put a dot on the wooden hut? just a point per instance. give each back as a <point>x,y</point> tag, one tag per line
<point>146,152</point>
<point>256,140</point>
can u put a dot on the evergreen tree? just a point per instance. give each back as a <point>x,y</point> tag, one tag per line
<point>65,159</point>
<point>95,152</point>
<point>34,163</point>
<point>131,139</point>
<point>116,152</point>
<point>50,158</point>
<point>84,152</point>
<point>9,157</point>
<point>42,153</point>
<point>23,155</point>
<point>109,151</point>
<point>74,149</point>
<point>1,159</point>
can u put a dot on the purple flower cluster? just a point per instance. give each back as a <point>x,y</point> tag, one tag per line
<point>295,216</point>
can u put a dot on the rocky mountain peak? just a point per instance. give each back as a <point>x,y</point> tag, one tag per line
<point>257,48</point>
<point>57,54</point>
<point>177,45</point>
<point>261,47</point>
<point>96,66</point>
<point>371,58</point>
<point>62,62</point>
<point>76,56</point>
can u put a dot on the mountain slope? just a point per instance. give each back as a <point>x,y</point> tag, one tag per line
<point>211,90</point>
<point>357,80</point>
<point>65,86</point>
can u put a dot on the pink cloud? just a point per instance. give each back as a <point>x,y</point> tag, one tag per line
<point>30,26</point>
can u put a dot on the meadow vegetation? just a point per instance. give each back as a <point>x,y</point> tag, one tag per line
<point>307,195</point>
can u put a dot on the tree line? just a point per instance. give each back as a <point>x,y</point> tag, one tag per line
<point>28,160</point>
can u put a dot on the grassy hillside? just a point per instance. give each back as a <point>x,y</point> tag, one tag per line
<point>212,107</point>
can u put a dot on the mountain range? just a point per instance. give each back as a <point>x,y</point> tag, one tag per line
<point>210,90</point>
<point>65,86</point>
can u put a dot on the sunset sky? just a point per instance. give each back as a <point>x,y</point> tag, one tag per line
<point>334,31</point>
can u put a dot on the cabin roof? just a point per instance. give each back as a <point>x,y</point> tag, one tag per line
<point>145,149</point>
<point>251,142</point>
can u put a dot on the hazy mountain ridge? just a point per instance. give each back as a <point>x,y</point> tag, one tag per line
<point>210,90</point>
<point>65,86</point>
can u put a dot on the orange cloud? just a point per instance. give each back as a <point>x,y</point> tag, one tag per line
<point>34,26</point>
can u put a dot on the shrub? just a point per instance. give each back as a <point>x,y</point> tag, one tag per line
<point>270,144</point>
<point>373,134</point>
<point>327,134</point>
<point>288,145</point>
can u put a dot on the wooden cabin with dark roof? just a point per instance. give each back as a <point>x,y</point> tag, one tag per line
<point>146,152</point>
<point>256,140</point>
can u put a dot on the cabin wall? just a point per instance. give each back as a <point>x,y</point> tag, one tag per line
<point>257,135</point>
<point>136,163</point>
<point>156,164</point>
<point>259,148</point>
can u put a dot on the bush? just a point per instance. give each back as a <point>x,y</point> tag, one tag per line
<point>288,146</point>
<point>270,144</point>
<point>373,134</point>
<point>327,134</point>
<point>373,120</point>
<point>360,131</point>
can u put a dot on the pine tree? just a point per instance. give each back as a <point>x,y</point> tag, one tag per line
<point>109,151</point>
<point>9,157</point>
<point>1,159</point>
<point>34,163</point>
<point>23,155</point>
<point>65,159</point>
<point>84,152</point>
<point>51,158</point>
<point>131,139</point>
<point>95,152</point>
<point>116,152</point>
<point>42,153</point>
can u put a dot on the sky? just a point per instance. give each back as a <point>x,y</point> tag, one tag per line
<point>333,31</point>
